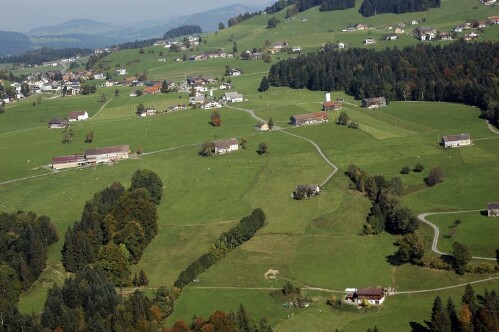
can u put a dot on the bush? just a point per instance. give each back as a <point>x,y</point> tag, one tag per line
<point>436,176</point>
<point>418,168</point>
<point>405,170</point>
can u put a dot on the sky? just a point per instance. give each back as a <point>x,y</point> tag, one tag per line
<point>115,12</point>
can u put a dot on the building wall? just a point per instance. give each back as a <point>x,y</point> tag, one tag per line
<point>65,165</point>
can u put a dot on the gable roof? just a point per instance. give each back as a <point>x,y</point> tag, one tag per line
<point>315,115</point>
<point>370,291</point>
<point>493,206</point>
<point>64,159</point>
<point>453,138</point>
<point>75,115</point>
<point>107,150</point>
<point>225,144</point>
<point>58,121</point>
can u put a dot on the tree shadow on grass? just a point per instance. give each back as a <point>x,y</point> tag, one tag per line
<point>418,327</point>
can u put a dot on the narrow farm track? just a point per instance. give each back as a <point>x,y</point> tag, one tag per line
<point>436,234</point>
<point>319,150</point>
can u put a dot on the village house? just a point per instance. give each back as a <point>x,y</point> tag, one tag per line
<point>445,36</point>
<point>278,47</point>
<point>453,141</point>
<point>493,209</point>
<point>58,123</point>
<point>120,71</point>
<point>332,106</point>
<point>225,146</point>
<point>147,112</point>
<point>68,162</point>
<point>372,295</point>
<point>391,36</point>
<point>360,26</point>
<point>77,116</point>
<point>196,100</point>
<point>309,118</point>
<point>306,191</point>
<point>99,76</point>
<point>399,30</point>
<point>296,49</point>
<point>107,154</point>
<point>159,43</point>
<point>262,126</point>
<point>369,41</point>
<point>196,57</point>
<point>225,86</point>
<point>152,90</point>
<point>178,107</point>
<point>424,34</point>
<point>210,105</point>
<point>232,97</point>
<point>374,102</point>
<point>214,54</point>
<point>235,72</point>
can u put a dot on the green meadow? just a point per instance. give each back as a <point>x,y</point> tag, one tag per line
<point>313,243</point>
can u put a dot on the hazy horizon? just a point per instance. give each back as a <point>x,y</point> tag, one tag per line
<point>113,12</point>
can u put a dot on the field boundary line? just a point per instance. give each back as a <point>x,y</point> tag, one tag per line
<point>436,235</point>
<point>101,109</point>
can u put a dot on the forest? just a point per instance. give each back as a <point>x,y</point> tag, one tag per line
<point>183,30</point>
<point>115,227</point>
<point>373,7</point>
<point>459,72</point>
<point>45,54</point>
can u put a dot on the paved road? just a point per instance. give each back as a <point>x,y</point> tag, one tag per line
<point>436,234</point>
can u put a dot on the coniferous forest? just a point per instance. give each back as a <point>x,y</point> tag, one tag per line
<point>460,72</point>
<point>373,7</point>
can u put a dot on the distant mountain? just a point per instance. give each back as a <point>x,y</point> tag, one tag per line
<point>12,43</point>
<point>78,26</point>
<point>208,21</point>
<point>86,33</point>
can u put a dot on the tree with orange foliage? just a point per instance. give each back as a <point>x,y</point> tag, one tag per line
<point>216,119</point>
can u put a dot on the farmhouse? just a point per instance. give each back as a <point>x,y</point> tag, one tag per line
<point>120,71</point>
<point>453,141</point>
<point>77,116</point>
<point>58,123</point>
<point>331,106</point>
<point>309,118</point>
<point>210,105</point>
<point>68,161</point>
<point>232,97</point>
<point>196,100</point>
<point>373,295</point>
<point>306,191</point>
<point>147,112</point>
<point>369,40</point>
<point>106,155</point>
<point>262,126</point>
<point>152,90</point>
<point>278,46</point>
<point>493,209</point>
<point>493,19</point>
<point>424,33</point>
<point>225,146</point>
<point>374,102</point>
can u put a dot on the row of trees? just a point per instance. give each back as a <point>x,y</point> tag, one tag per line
<point>228,241</point>
<point>476,313</point>
<point>45,54</point>
<point>221,321</point>
<point>88,302</point>
<point>115,227</point>
<point>459,72</point>
<point>373,7</point>
<point>183,30</point>
<point>24,239</point>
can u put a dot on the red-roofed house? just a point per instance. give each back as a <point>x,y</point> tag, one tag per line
<point>309,118</point>
<point>332,106</point>
<point>373,295</point>
<point>152,90</point>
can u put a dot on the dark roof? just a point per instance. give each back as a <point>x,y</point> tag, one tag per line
<point>225,144</point>
<point>314,115</point>
<point>64,159</point>
<point>452,138</point>
<point>493,206</point>
<point>107,150</point>
<point>58,121</point>
<point>370,291</point>
<point>75,115</point>
<point>375,100</point>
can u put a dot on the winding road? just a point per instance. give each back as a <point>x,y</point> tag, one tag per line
<point>276,128</point>
<point>436,234</point>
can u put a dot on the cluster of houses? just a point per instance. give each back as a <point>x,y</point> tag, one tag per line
<point>59,123</point>
<point>182,45</point>
<point>91,157</point>
<point>214,54</point>
<point>429,33</point>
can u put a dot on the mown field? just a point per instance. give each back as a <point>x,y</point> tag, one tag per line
<point>314,243</point>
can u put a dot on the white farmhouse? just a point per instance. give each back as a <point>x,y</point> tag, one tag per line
<point>232,97</point>
<point>225,146</point>
<point>453,141</point>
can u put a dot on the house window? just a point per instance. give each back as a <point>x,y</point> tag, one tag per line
<point>377,302</point>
